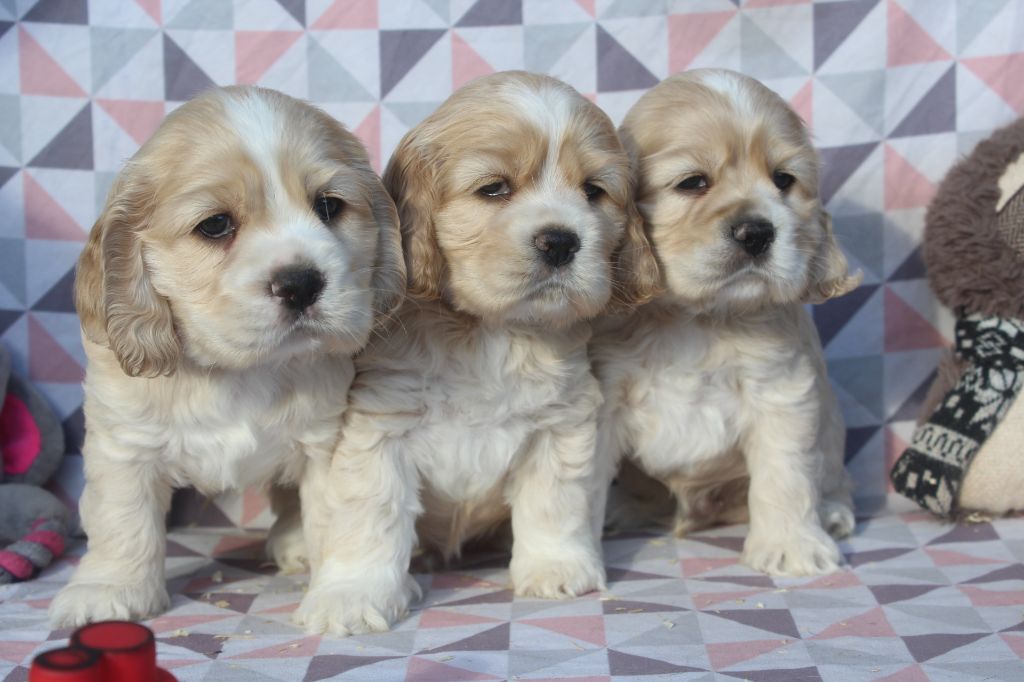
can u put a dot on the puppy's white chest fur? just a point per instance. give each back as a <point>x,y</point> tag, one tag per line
<point>221,430</point>
<point>681,392</point>
<point>473,404</point>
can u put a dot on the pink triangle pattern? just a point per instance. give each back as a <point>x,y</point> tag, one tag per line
<point>424,670</point>
<point>912,673</point>
<point>587,628</point>
<point>300,648</point>
<point>905,329</point>
<point>47,360</point>
<point>874,623</point>
<point>908,42</point>
<point>44,217</point>
<point>368,133</point>
<point>945,557</point>
<point>467,63</point>
<point>17,651</point>
<point>152,8</point>
<point>1001,73</point>
<point>254,502</point>
<point>437,618</point>
<point>730,653</point>
<point>803,103</point>
<point>982,597</point>
<point>693,567</point>
<point>689,34</point>
<point>256,52</point>
<point>589,6</point>
<point>905,187</point>
<point>345,14</point>
<point>40,73</point>
<point>137,118</point>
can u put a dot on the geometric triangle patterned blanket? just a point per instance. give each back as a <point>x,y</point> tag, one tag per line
<point>932,469</point>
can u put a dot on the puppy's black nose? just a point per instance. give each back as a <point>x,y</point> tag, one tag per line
<point>755,236</point>
<point>298,287</point>
<point>557,245</point>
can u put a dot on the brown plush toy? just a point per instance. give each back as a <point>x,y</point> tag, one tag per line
<point>967,454</point>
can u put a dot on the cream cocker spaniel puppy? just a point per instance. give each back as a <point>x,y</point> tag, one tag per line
<point>717,388</point>
<point>518,222</point>
<point>237,267</point>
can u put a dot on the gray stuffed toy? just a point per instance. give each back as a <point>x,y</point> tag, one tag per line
<point>33,523</point>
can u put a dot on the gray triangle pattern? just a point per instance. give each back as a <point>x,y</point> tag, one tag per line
<point>834,22</point>
<point>544,44</point>
<point>112,48</point>
<point>10,125</point>
<point>12,267</point>
<point>183,79</point>
<point>863,92</point>
<point>329,81</point>
<point>59,11</point>
<point>400,51</point>
<point>71,147</point>
<point>493,13</point>
<point>761,56</point>
<point>617,69</point>
<point>935,112</point>
<point>205,15</point>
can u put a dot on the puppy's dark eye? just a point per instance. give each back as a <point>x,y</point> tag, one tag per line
<point>327,208</point>
<point>783,180</point>
<point>495,189</point>
<point>693,183</point>
<point>216,226</point>
<point>592,191</point>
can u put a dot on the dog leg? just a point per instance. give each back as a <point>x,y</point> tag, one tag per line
<point>362,583</point>
<point>121,576</point>
<point>786,537</point>
<point>555,553</point>
<point>286,542</point>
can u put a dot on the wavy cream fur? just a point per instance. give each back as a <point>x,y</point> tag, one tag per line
<point>480,396</point>
<point>717,389</point>
<point>196,375</point>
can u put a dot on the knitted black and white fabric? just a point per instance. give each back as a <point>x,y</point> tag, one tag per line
<point>933,467</point>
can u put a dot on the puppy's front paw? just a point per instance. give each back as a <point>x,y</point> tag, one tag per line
<point>286,547</point>
<point>353,608</point>
<point>837,518</point>
<point>81,603</point>
<point>561,578</point>
<point>805,550</point>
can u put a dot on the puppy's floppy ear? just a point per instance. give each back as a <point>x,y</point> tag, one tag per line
<point>635,268</point>
<point>411,182</point>
<point>388,280</point>
<point>115,299</point>
<point>829,275</point>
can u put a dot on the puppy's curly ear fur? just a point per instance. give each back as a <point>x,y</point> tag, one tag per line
<point>829,272</point>
<point>117,304</point>
<point>636,272</point>
<point>411,182</point>
<point>388,280</point>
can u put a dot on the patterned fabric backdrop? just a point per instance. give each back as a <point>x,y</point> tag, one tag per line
<point>895,91</point>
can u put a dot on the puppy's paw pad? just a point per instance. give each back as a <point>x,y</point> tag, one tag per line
<point>81,603</point>
<point>805,551</point>
<point>350,611</point>
<point>837,518</point>
<point>557,579</point>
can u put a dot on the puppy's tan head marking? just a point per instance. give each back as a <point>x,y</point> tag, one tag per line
<point>249,227</point>
<point>516,202</point>
<point>729,188</point>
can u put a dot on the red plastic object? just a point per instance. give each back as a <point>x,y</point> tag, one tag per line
<point>110,651</point>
